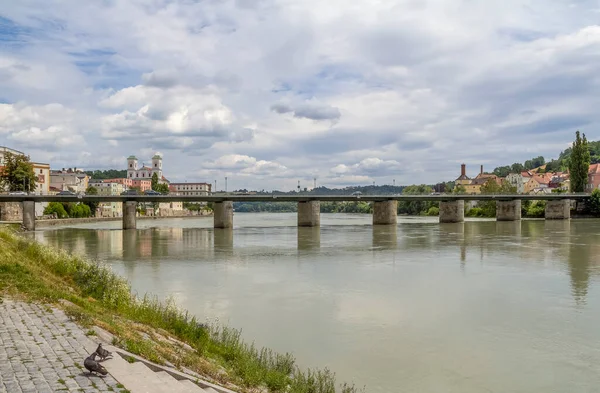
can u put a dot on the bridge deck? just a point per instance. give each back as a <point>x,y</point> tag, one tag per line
<point>283,198</point>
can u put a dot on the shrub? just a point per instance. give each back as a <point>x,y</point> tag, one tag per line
<point>433,211</point>
<point>56,207</point>
<point>593,204</point>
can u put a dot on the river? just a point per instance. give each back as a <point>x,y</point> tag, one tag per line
<point>481,306</point>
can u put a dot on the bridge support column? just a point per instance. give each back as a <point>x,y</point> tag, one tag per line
<point>129,213</point>
<point>558,209</point>
<point>508,210</point>
<point>385,213</point>
<point>452,211</point>
<point>29,215</point>
<point>223,214</point>
<point>309,213</point>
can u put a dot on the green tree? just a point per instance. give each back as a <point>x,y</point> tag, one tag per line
<point>91,190</point>
<point>154,181</point>
<point>502,171</point>
<point>17,174</point>
<point>162,188</point>
<point>517,167</point>
<point>579,163</point>
<point>56,207</point>
<point>593,204</point>
<point>459,189</point>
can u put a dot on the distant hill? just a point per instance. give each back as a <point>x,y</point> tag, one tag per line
<point>107,174</point>
<point>555,165</point>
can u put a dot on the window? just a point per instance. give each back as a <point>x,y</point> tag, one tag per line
<point>131,166</point>
<point>143,175</point>
<point>155,165</point>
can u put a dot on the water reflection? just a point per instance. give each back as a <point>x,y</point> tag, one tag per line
<point>223,241</point>
<point>385,237</point>
<point>309,238</point>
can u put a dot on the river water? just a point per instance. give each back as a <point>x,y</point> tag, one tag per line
<point>481,306</point>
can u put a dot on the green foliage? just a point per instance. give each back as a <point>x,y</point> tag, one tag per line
<point>593,204</point>
<point>56,207</point>
<point>579,163</point>
<point>92,205</point>
<point>433,211</point>
<point>502,171</point>
<point>534,162</point>
<point>79,210</point>
<point>517,167</point>
<point>254,207</point>
<point>154,181</point>
<point>17,174</point>
<point>347,207</point>
<point>459,190</point>
<point>416,207</point>
<point>162,188</point>
<point>536,209</point>
<point>108,174</point>
<point>479,212</point>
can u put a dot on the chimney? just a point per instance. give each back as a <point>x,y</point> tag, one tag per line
<point>481,171</point>
<point>463,170</point>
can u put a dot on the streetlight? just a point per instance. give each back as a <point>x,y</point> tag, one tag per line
<point>225,183</point>
<point>215,185</point>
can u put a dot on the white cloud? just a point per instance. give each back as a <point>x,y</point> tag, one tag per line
<point>362,91</point>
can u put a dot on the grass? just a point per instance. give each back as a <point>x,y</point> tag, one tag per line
<point>143,325</point>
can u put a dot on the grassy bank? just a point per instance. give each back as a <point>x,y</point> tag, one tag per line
<point>159,331</point>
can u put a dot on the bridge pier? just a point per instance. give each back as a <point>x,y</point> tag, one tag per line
<point>385,212</point>
<point>452,211</point>
<point>309,213</point>
<point>508,210</point>
<point>29,215</point>
<point>129,215</point>
<point>558,210</point>
<point>223,214</point>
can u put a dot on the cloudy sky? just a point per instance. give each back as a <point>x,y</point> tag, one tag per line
<point>269,92</point>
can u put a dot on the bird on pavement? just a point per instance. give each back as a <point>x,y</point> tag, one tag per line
<point>103,353</point>
<point>93,366</point>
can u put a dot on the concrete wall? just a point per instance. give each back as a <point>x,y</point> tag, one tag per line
<point>452,211</point>
<point>508,210</point>
<point>385,213</point>
<point>11,211</point>
<point>558,210</point>
<point>309,214</point>
<point>223,214</point>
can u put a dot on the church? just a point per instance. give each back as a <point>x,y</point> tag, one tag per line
<point>145,172</point>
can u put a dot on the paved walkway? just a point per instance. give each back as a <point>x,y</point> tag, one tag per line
<point>42,351</point>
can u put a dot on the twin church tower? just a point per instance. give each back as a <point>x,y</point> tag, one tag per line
<point>145,172</point>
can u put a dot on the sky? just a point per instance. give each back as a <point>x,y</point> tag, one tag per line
<point>271,92</point>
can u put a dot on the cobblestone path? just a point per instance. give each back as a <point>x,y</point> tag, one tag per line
<point>42,351</point>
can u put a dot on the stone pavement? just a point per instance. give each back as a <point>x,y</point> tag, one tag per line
<point>42,351</point>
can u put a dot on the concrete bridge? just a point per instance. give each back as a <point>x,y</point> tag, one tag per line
<point>508,207</point>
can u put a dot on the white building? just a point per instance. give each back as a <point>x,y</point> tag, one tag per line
<point>189,189</point>
<point>135,172</point>
<point>517,180</point>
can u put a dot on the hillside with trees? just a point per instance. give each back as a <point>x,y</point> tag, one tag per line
<point>107,174</point>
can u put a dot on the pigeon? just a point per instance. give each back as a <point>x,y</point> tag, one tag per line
<point>93,366</point>
<point>102,353</point>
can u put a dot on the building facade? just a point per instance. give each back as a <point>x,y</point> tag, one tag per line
<point>142,184</point>
<point>135,172</point>
<point>104,188</point>
<point>593,178</point>
<point>76,182</point>
<point>189,189</point>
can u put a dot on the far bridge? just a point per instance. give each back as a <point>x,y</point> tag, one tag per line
<point>452,207</point>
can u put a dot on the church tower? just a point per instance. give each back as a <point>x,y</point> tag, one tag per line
<point>157,166</point>
<point>132,166</point>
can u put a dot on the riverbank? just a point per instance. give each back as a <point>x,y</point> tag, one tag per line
<point>157,331</point>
